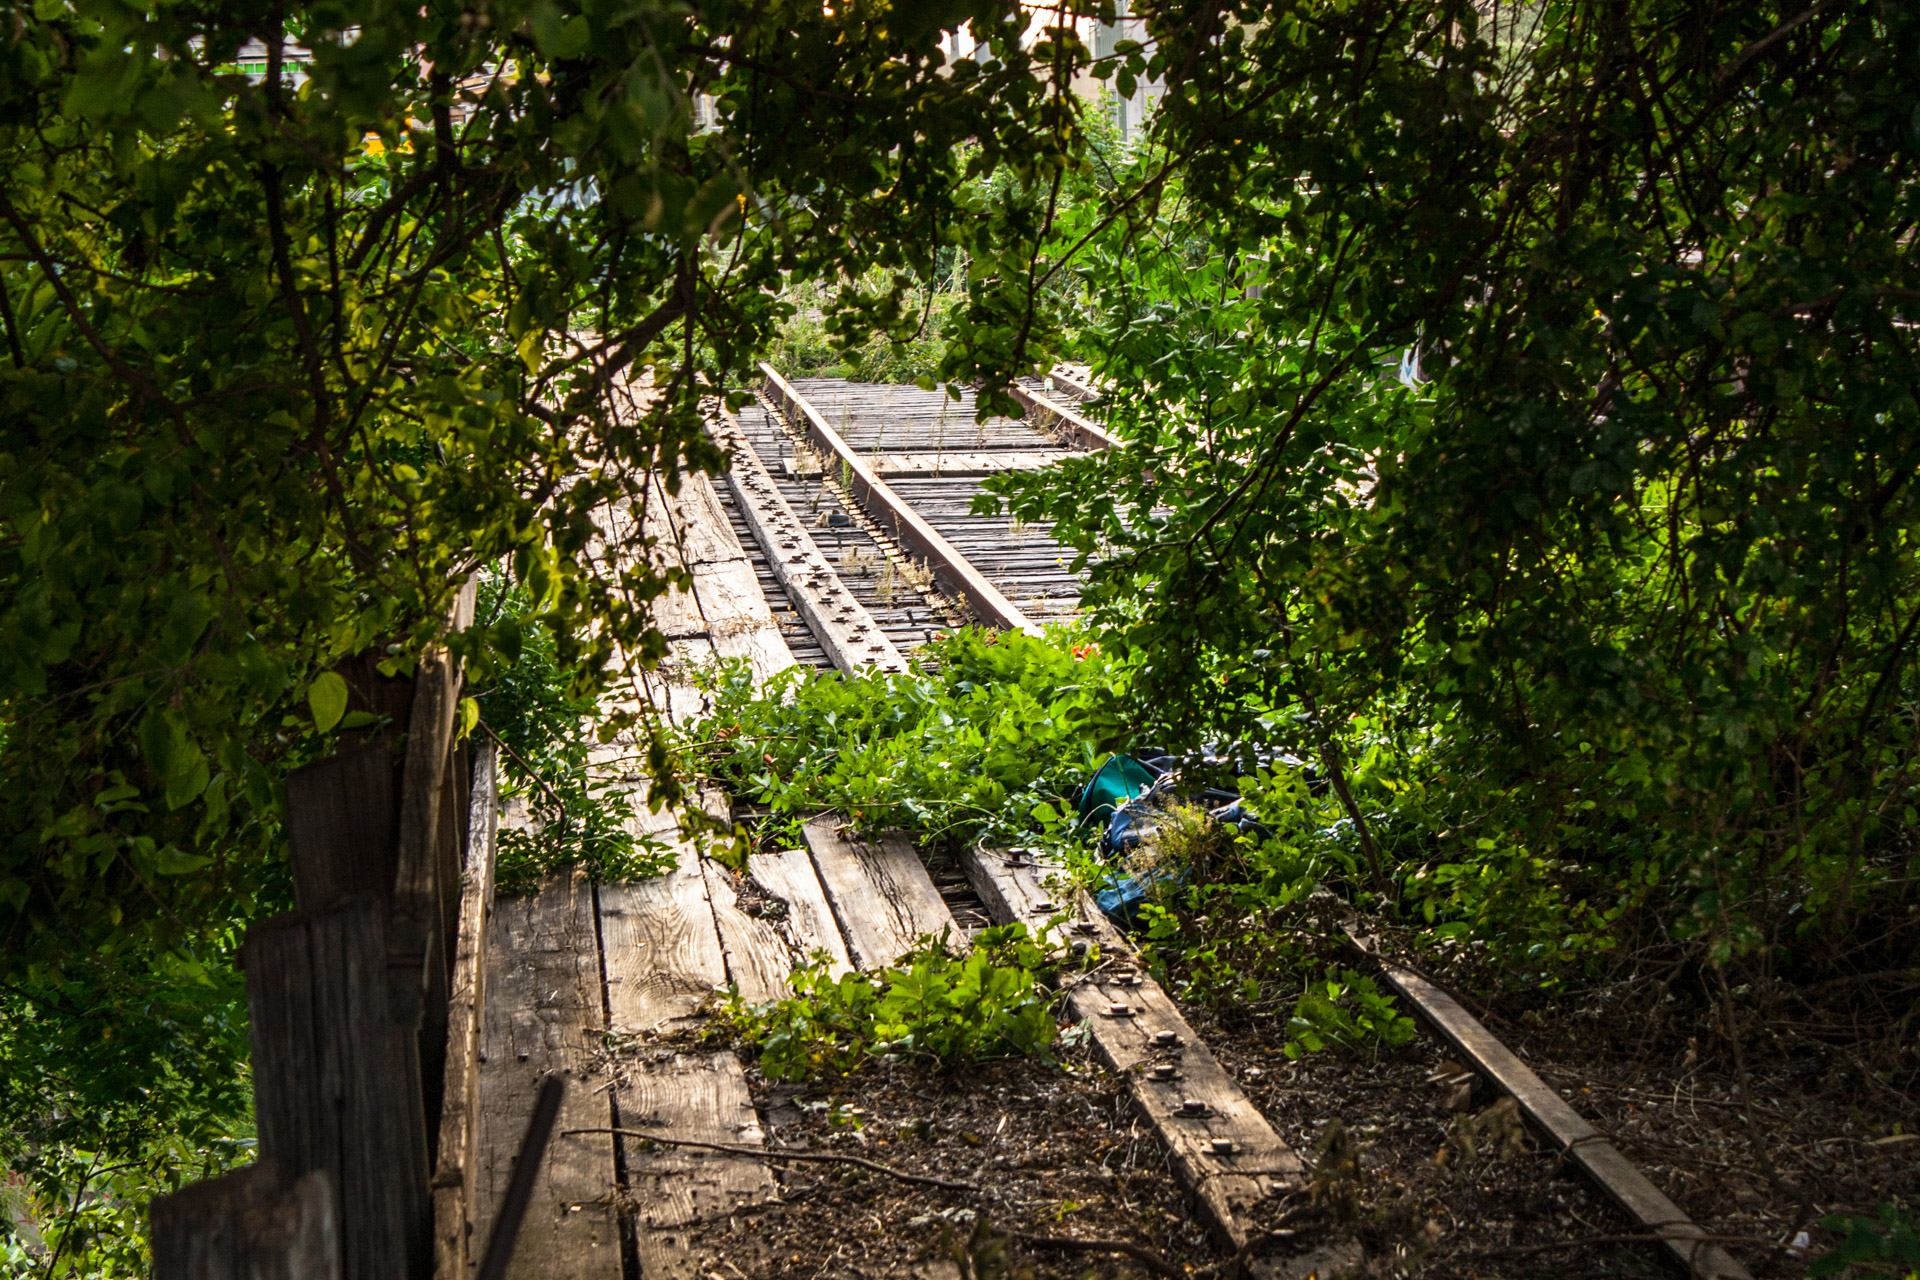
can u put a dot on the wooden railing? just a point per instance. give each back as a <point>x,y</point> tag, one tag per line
<point>365,1005</point>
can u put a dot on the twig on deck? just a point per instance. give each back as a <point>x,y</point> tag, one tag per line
<point>779,1153</point>
<point>1148,1258</point>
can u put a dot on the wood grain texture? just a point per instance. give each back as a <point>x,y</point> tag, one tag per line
<point>846,631</point>
<point>1569,1130</point>
<point>762,950</point>
<point>1125,1016</point>
<point>664,961</point>
<point>663,956</point>
<point>252,1224</point>
<point>882,896</point>
<point>342,820</point>
<point>889,509</point>
<point>544,1013</point>
<point>789,875</point>
<point>702,1097</point>
<point>336,1079</point>
<point>454,1173</point>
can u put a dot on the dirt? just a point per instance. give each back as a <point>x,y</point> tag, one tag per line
<point>1053,1150</point>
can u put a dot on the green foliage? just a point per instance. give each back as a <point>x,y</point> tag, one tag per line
<point>544,724</point>
<point>988,735</point>
<point>1348,1009</point>
<point>933,1006</point>
<point>1886,1245</point>
<point>285,357</point>
<point>1619,577</point>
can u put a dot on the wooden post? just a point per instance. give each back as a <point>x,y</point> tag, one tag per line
<point>341,824</point>
<point>336,1079</point>
<point>253,1224</point>
<point>454,1173</point>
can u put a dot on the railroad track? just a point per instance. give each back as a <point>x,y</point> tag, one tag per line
<point>849,508</point>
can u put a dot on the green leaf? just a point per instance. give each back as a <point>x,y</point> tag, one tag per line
<point>327,698</point>
<point>169,861</point>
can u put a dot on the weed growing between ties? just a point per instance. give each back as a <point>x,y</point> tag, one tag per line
<point>935,1006</point>
<point>539,716</point>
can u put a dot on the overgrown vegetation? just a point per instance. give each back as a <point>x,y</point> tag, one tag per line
<point>546,722</point>
<point>934,1006</point>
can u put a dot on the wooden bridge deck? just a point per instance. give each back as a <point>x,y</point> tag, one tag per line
<point>811,552</point>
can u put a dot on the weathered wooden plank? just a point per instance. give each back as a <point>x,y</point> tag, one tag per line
<point>1052,414</point>
<point>664,961</point>
<point>836,617</point>
<point>701,529</point>
<point>881,893</point>
<point>1569,1130</point>
<point>701,1097</point>
<point>762,949</point>
<point>341,824</point>
<point>790,876</point>
<point>252,1224</point>
<point>1224,1150</point>
<point>544,1014</point>
<point>663,956</point>
<point>739,622</point>
<point>1066,380</point>
<point>758,956</point>
<point>982,463</point>
<point>336,1079</point>
<point>454,1173</point>
<point>887,507</point>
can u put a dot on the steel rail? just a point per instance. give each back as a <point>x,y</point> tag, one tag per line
<point>891,511</point>
<point>1051,413</point>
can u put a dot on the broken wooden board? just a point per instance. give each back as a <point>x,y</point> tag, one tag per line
<point>844,628</point>
<point>544,1014</point>
<point>1569,1130</point>
<point>664,962</point>
<point>881,894</point>
<point>763,949</point>
<point>1222,1147</point>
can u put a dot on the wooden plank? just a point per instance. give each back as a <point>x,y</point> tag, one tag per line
<point>888,508</point>
<point>454,1173</point>
<point>341,825</point>
<point>664,961</point>
<point>252,1224</point>
<point>663,956</point>
<point>844,628</point>
<point>1569,1130</point>
<point>985,463</point>
<point>762,949</point>
<point>701,1097</point>
<point>1064,379</point>
<point>1051,414</point>
<point>544,1014</point>
<point>739,621</point>
<point>701,529</point>
<point>1136,1027</point>
<point>336,1079</point>
<point>881,894</point>
<point>790,876</point>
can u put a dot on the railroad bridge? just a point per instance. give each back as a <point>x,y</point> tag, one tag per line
<point>842,537</point>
